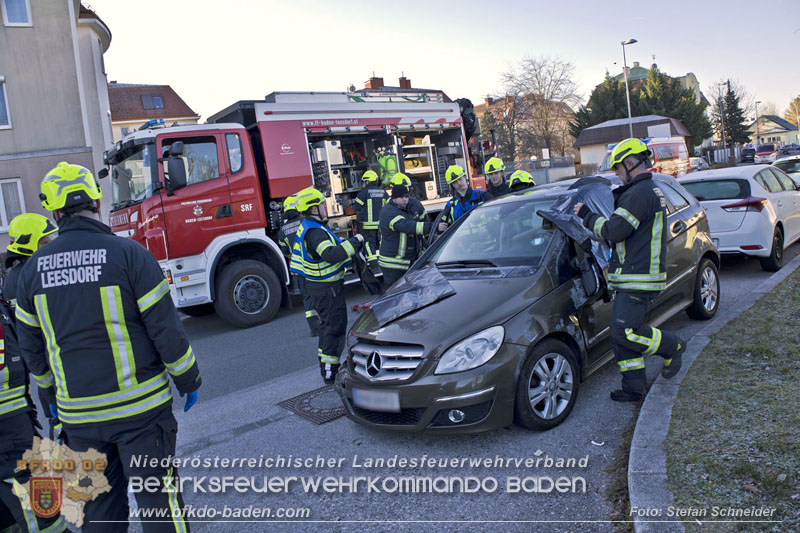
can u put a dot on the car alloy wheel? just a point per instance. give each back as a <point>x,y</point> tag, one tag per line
<point>709,289</point>
<point>550,386</point>
<point>547,387</point>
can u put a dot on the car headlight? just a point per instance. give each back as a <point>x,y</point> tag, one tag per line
<point>472,352</point>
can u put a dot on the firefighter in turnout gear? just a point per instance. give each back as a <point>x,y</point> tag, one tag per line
<point>520,180</point>
<point>321,257</point>
<point>399,228</point>
<point>637,231</point>
<point>368,204</point>
<point>291,222</point>
<point>415,207</point>
<point>101,336</point>
<point>464,198</point>
<point>494,170</point>
<point>17,410</point>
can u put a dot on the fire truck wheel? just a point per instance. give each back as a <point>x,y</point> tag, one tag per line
<point>248,293</point>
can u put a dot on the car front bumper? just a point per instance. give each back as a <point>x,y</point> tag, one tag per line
<point>483,395</point>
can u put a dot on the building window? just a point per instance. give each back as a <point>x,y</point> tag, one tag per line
<point>12,204</point>
<point>152,101</point>
<point>5,116</point>
<point>16,12</point>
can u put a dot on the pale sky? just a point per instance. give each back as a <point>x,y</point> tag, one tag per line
<point>214,53</point>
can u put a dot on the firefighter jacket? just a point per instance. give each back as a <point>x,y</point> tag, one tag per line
<point>637,229</point>
<point>398,251</point>
<point>499,191</point>
<point>95,320</point>
<point>288,231</point>
<point>14,398</point>
<point>369,202</point>
<point>457,206</point>
<point>318,254</point>
<point>11,281</point>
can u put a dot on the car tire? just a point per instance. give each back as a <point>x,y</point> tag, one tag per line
<point>705,298</point>
<point>248,293</point>
<point>547,387</point>
<point>198,310</point>
<point>774,261</point>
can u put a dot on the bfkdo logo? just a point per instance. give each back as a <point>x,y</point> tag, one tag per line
<point>47,495</point>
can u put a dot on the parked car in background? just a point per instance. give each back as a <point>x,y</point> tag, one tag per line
<point>698,163</point>
<point>753,210</point>
<point>790,165</point>
<point>765,153</point>
<point>515,325</point>
<point>670,156</point>
<point>790,149</point>
<point>748,155</point>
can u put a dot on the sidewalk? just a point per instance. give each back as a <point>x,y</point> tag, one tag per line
<point>650,497</point>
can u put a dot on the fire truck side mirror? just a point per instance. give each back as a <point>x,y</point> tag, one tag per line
<point>103,173</point>
<point>176,170</point>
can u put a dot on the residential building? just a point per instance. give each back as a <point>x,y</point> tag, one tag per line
<point>773,129</point>
<point>593,141</point>
<point>57,111</point>
<point>637,75</point>
<point>132,105</point>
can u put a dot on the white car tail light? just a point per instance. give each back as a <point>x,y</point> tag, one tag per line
<point>751,203</point>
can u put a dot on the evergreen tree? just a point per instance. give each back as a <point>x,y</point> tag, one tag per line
<point>582,120</point>
<point>735,128</point>
<point>663,95</point>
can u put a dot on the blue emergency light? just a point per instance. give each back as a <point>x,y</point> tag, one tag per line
<point>152,123</point>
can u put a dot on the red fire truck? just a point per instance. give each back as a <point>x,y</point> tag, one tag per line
<point>206,199</point>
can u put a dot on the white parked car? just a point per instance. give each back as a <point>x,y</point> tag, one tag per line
<point>766,153</point>
<point>752,210</point>
<point>790,165</point>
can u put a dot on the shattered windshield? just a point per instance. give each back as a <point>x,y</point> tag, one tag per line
<point>132,178</point>
<point>508,234</point>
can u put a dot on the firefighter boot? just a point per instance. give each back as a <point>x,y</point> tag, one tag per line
<point>673,364</point>
<point>620,395</point>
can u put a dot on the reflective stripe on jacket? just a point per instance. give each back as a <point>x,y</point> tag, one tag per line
<point>369,202</point>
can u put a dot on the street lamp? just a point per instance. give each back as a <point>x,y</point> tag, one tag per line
<point>757,139</point>
<point>627,90</point>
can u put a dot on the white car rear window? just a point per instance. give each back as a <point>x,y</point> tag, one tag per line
<point>721,189</point>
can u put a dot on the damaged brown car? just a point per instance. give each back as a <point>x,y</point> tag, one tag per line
<point>505,314</point>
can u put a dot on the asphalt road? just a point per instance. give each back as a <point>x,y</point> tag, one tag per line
<point>247,372</point>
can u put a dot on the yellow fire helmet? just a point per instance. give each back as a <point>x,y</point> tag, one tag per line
<point>369,175</point>
<point>520,177</point>
<point>68,185</point>
<point>627,148</point>
<point>400,179</point>
<point>25,232</point>
<point>453,174</point>
<point>494,164</point>
<point>308,198</point>
<point>290,203</point>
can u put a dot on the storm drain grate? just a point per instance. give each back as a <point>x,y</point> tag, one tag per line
<point>319,405</point>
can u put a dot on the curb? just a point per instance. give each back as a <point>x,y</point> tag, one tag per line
<point>647,462</point>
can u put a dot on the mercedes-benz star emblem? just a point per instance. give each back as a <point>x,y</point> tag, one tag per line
<point>374,364</point>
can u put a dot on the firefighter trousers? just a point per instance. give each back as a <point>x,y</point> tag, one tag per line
<point>328,299</point>
<point>631,338</point>
<point>390,275</point>
<point>125,443</point>
<point>312,317</point>
<point>372,243</point>
<point>16,437</point>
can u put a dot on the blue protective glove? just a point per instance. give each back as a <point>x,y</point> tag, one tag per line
<point>191,399</point>
<point>53,410</point>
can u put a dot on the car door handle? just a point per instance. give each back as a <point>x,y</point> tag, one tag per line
<point>678,226</point>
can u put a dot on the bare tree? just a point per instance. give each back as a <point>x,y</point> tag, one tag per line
<point>507,116</point>
<point>768,108</point>
<point>547,86</point>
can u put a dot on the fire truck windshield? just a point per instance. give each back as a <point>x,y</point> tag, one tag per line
<point>132,177</point>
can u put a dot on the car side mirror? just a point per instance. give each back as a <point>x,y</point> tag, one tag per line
<point>176,170</point>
